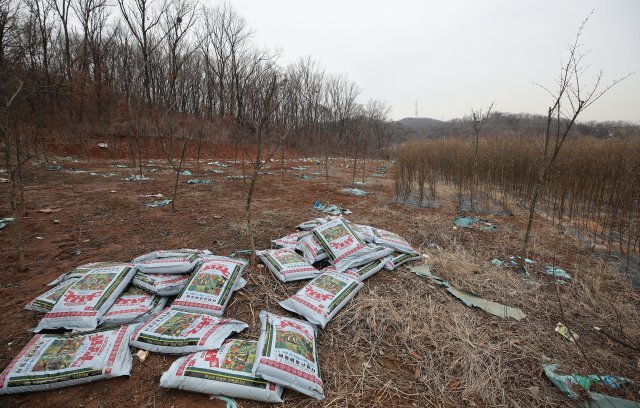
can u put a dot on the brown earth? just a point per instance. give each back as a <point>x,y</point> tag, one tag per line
<point>401,342</point>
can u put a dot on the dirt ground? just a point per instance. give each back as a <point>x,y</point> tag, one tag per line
<point>402,341</point>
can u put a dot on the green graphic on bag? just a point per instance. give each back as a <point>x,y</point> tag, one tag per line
<point>207,283</point>
<point>329,283</point>
<point>241,356</point>
<point>176,324</point>
<point>296,343</point>
<point>94,282</point>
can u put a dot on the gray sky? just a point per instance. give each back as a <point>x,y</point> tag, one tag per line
<point>453,55</point>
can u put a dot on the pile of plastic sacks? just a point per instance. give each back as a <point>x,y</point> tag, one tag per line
<point>173,302</point>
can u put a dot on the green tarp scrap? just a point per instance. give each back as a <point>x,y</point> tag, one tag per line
<point>557,272</point>
<point>54,167</point>
<point>568,383</point>
<point>469,298</point>
<point>186,173</point>
<point>474,223</point>
<point>136,177</point>
<point>355,191</point>
<point>199,181</point>
<point>160,203</point>
<point>606,401</point>
<point>519,264</point>
<point>4,222</point>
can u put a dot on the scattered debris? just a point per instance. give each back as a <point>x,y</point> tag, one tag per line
<point>186,173</point>
<point>217,171</point>
<point>120,166</point>
<point>306,177</point>
<point>137,177</point>
<point>48,210</point>
<point>56,221</point>
<point>476,223</point>
<point>331,209</point>
<point>521,266</point>
<point>5,221</point>
<point>237,177</point>
<point>77,171</point>
<point>559,273</point>
<point>301,168</point>
<point>160,203</point>
<point>231,403</point>
<point>199,181</point>
<point>142,355</point>
<point>469,298</point>
<point>568,383</point>
<point>103,175</point>
<point>565,332</point>
<point>355,192</point>
<point>152,195</point>
<point>4,180</point>
<point>103,145</point>
<point>55,167</point>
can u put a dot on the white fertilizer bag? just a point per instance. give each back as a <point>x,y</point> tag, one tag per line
<point>172,261</point>
<point>286,242</point>
<point>226,371</point>
<point>162,284</point>
<point>311,249</point>
<point>209,288</point>
<point>286,265</point>
<point>133,306</point>
<point>362,231</point>
<point>177,332</point>
<point>344,247</point>
<point>52,361</point>
<point>311,224</point>
<point>398,258</point>
<point>81,270</point>
<point>391,240</point>
<point>362,272</point>
<point>45,302</point>
<point>319,300</point>
<point>287,355</point>
<point>88,299</point>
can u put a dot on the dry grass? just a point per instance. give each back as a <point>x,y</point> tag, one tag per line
<point>401,341</point>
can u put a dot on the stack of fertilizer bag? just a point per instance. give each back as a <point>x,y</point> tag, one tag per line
<point>350,253</point>
<point>109,306</point>
<point>112,306</point>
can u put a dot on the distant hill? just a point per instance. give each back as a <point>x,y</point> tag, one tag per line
<point>504,122</point>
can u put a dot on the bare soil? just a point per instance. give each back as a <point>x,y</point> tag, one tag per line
<point>401,342</point>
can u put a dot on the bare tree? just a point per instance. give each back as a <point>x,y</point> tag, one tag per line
<point>568,101</point>
<point>478,118</point>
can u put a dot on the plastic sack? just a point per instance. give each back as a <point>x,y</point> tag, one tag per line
<point>170,261</point>
<point>45,302</point>
<point>319,300</point>
<point>362,231</point>
<point>398,258</point>
<point>311,249</point>
<point>344,247</point>
<point>209,288</point>
<point>226,371</point>
<point>85,302</point>
<point>81,270</point>
<point>52,361</point>
<point>162,284</point>
<point>391,240</point>
<point>362,272</point>
<point>287,355</point>
<point>311,224</point>
<point>133,306</point>
<point>286,242</point>
<point>286,265</point>
<point>177,332</point>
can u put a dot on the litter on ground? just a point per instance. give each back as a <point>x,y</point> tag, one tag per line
<point>476,223</point>
<point>564,331</point>
<point>199,181</point>
<point>5,221</point>
<point>160,203</point>
<point>471,299</point>
<point>355,192</point>
<point>331,209</point>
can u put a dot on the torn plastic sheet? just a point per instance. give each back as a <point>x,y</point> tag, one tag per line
<point>568,383</point>
<point>476,223</point>
<point>161,203</point>
<point>565,332</point>
<point>331,209</point>
<point>521,266</point>
<point>5,221</point>
<point>469,298</point>
<point>199,181</point>
<point>355,192</point>
<point>186,173</point>
<point>557,272</point>
<point>601,400</point>
<point>54,167</point>
<point>136,177</point>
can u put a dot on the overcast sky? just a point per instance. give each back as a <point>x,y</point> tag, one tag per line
<point>452,55</point>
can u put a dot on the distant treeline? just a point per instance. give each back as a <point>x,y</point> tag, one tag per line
<point>500,123</point>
